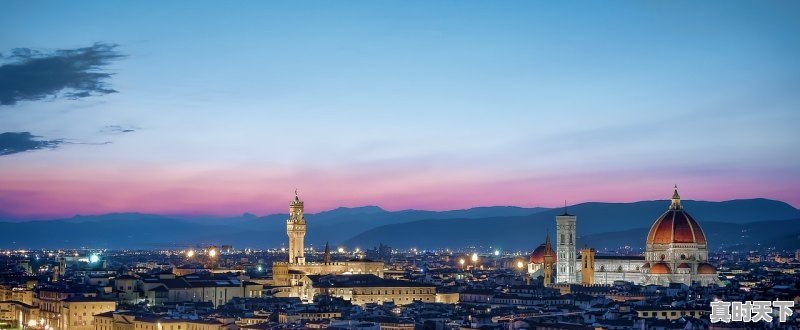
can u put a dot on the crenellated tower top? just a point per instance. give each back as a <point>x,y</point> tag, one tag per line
<point>296,208</point>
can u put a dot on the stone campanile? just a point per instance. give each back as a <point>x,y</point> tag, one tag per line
<point>565,248</point>
<point>296,229</point>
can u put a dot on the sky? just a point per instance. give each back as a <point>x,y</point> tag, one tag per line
<point>212,108</point>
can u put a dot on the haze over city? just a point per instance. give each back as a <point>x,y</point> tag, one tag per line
<point>192,108</point>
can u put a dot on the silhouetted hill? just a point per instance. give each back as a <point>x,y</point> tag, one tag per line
<point>136,230</point>
<point>503,226</point>
<point>526,232</point>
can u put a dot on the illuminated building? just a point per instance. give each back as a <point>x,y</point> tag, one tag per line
<point>565,248</point>
<point>676,252</point>
<point>139,321</point>
<point>366,288</point>
<point>536,259</point>
<point>288,274</point>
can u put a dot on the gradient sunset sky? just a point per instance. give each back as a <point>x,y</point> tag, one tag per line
<point>226,108</point>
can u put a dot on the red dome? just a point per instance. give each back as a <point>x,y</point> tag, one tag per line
<point>676,226</point>
<point>705,268</point>
<point>537,256</point>
<point>659,268</point>
<point>684,265</point>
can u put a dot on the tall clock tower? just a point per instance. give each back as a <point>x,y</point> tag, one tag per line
<point>296,229</point>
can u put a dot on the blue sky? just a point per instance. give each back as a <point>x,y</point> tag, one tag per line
<point>409,104</point>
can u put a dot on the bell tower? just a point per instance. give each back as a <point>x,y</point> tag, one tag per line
<point>565,248</point>
<point>296,230</point>
<point>547,266</point>
<point>587,266</point>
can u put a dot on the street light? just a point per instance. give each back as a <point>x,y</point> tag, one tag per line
<point>474,257</point>
<point>190,254</point>
<point>520,264</point>
<point>212,253</point>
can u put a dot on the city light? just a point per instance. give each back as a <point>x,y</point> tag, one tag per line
<point>496,252</point>
<point>94,258</point>
<point>461,261</point>
<point>474,257</point>
<point>190,254</point>
<point>212,253</point>
<point>341,250</point>
<point>520,264</point>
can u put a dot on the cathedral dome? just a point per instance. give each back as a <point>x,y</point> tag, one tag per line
<point>684,265</point>
<point>676,226</point>
<point>660,268</point>
<point>537,257</point>
<point>705,268</point>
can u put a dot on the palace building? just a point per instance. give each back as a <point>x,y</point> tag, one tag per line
<point>676,252</point>
<point>288,274</point>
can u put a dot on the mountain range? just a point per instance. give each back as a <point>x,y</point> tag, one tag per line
<point>602,225</point>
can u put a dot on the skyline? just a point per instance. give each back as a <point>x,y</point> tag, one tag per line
<point>222,110</point>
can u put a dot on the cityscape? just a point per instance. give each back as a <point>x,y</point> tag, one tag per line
<point>556,285</point>
<point>399,165</point>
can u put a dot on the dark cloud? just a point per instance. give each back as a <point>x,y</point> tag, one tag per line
<point>118,129</point>
<point>14,142</point>
<point>70,73</point>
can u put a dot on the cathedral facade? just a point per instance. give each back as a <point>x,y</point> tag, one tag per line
<point>676,251</point>
<point>289,273</point>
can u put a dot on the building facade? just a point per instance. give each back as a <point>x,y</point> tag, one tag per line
<point>366,288</point>
<point>565,248</point>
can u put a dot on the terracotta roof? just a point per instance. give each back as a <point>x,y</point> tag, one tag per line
<point>675,226</point>
<point>705,268</point>
<point>537,256</point>
<point>660,268</point>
